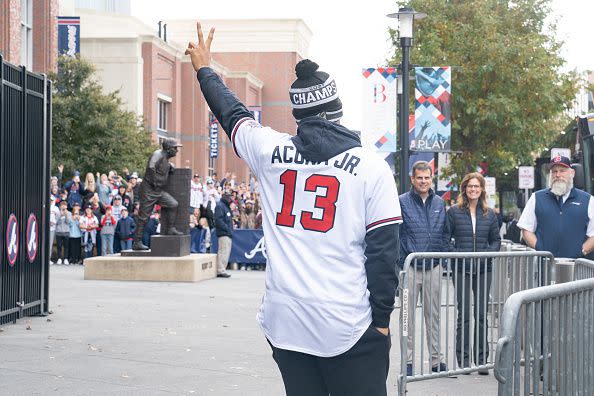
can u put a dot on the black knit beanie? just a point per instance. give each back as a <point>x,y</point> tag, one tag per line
<point>314,93</point>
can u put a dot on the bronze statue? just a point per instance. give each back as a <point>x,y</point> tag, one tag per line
<point>152,192</point>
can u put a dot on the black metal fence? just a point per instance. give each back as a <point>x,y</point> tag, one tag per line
<point>25,147</point>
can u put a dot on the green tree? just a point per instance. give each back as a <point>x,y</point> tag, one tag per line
<point>508,92</point>
<point>91,130</point>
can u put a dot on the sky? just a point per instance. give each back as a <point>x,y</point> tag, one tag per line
<point>349,36</point>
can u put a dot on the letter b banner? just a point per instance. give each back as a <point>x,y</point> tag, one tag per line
<point>378,127</point>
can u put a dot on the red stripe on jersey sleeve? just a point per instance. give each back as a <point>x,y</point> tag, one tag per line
<point>235,128</point>
<point>380,222</point>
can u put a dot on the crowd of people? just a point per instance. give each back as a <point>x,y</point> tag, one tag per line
<point>97,216</point>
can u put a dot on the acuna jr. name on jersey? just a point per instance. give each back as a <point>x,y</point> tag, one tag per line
<point>289,155</point>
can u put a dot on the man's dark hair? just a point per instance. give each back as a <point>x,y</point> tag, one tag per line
<point>421,166</point>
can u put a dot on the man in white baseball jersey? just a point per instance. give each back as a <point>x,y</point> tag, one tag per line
<point>331,276</point>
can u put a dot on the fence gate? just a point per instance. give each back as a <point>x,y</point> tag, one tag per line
<point>25,147</point>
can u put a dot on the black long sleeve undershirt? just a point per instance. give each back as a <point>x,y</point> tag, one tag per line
<point>223,103</point>
<point>382,251</point>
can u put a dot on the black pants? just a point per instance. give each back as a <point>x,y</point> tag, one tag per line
<point>98,243</point>
<point>74,250</point>
<point>479,284</point>
<point>62,244</point>
<point>360,371</point>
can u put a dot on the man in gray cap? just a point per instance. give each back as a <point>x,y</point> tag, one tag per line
<point>151,192</point>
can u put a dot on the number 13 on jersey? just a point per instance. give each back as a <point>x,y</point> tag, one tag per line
<point>327,203</point>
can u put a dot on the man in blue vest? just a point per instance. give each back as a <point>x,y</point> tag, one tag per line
<point>424,229</point>
<point>559,219</point>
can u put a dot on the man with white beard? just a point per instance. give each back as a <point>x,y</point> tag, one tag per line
<point>559,219</point>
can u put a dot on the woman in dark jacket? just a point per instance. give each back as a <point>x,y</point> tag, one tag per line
<point>474,228</point>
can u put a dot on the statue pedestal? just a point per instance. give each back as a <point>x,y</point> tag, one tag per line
<point>170,245</point>
<point>163,246</point>
<point>190,268</point>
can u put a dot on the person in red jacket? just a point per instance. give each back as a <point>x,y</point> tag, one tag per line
<point>108,225</point>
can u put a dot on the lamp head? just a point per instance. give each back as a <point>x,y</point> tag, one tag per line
<point>406,17</point>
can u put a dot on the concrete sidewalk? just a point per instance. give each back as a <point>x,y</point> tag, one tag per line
<point>150,338</point>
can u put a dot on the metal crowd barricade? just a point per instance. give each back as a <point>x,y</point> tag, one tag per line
<point>483,281</point>
<point>583,269</point>
<point>557,325</point>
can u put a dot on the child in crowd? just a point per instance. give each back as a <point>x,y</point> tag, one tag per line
<point>108,225</point>
<point>125,229</point>
<point>53,220</point>
<point>88,226</point>
<point>194,218</point>
<point>205,248</point>
<point>117,206</point>
<point>75,237</point>
<point>63,233</point>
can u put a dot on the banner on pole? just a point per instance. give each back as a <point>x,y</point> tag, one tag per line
<point>378,126</point>
<point>491,191</point>
<point>444,183</point>
<point>432,109</point>
<point>68,35</point>
<point>214,136</point>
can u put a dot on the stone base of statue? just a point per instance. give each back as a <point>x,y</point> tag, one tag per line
<point>190,268</point>
<point>165,246</point>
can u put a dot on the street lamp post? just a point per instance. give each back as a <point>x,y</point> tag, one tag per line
<point>406,17</point>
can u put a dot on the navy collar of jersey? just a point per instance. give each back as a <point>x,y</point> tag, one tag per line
<point>319,139</point>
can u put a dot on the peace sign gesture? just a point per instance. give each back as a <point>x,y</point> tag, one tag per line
<point>200,53</point>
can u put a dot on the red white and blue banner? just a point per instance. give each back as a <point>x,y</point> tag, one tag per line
<point>68,35</point>
<point>433,91</point>
<point>378,123</point>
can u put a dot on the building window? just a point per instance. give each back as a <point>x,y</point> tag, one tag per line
<point>163,111</point>
<point>27,33</point>
<point>162,115</point>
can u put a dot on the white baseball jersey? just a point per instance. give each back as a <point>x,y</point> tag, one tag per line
<point>315,218</point>
<point>196,194</point>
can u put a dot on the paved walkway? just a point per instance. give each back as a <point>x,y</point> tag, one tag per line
<point>150,338</point>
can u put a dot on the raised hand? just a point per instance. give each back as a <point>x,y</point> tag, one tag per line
<point>200,53</point>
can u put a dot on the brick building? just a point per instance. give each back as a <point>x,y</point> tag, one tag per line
<point>28,33</point>
<point>255,58</point>
<point>156,79</point>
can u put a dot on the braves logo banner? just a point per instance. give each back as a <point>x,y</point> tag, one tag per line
<point>12,239</point>
<point>248,246</point>
<point>32,237</point>
<point>69,36</point>
<point>433,128</point>
<point>378,124</point>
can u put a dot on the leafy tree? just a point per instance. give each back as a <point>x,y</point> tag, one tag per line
<point>508,93</point>
<point>91,130</point>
